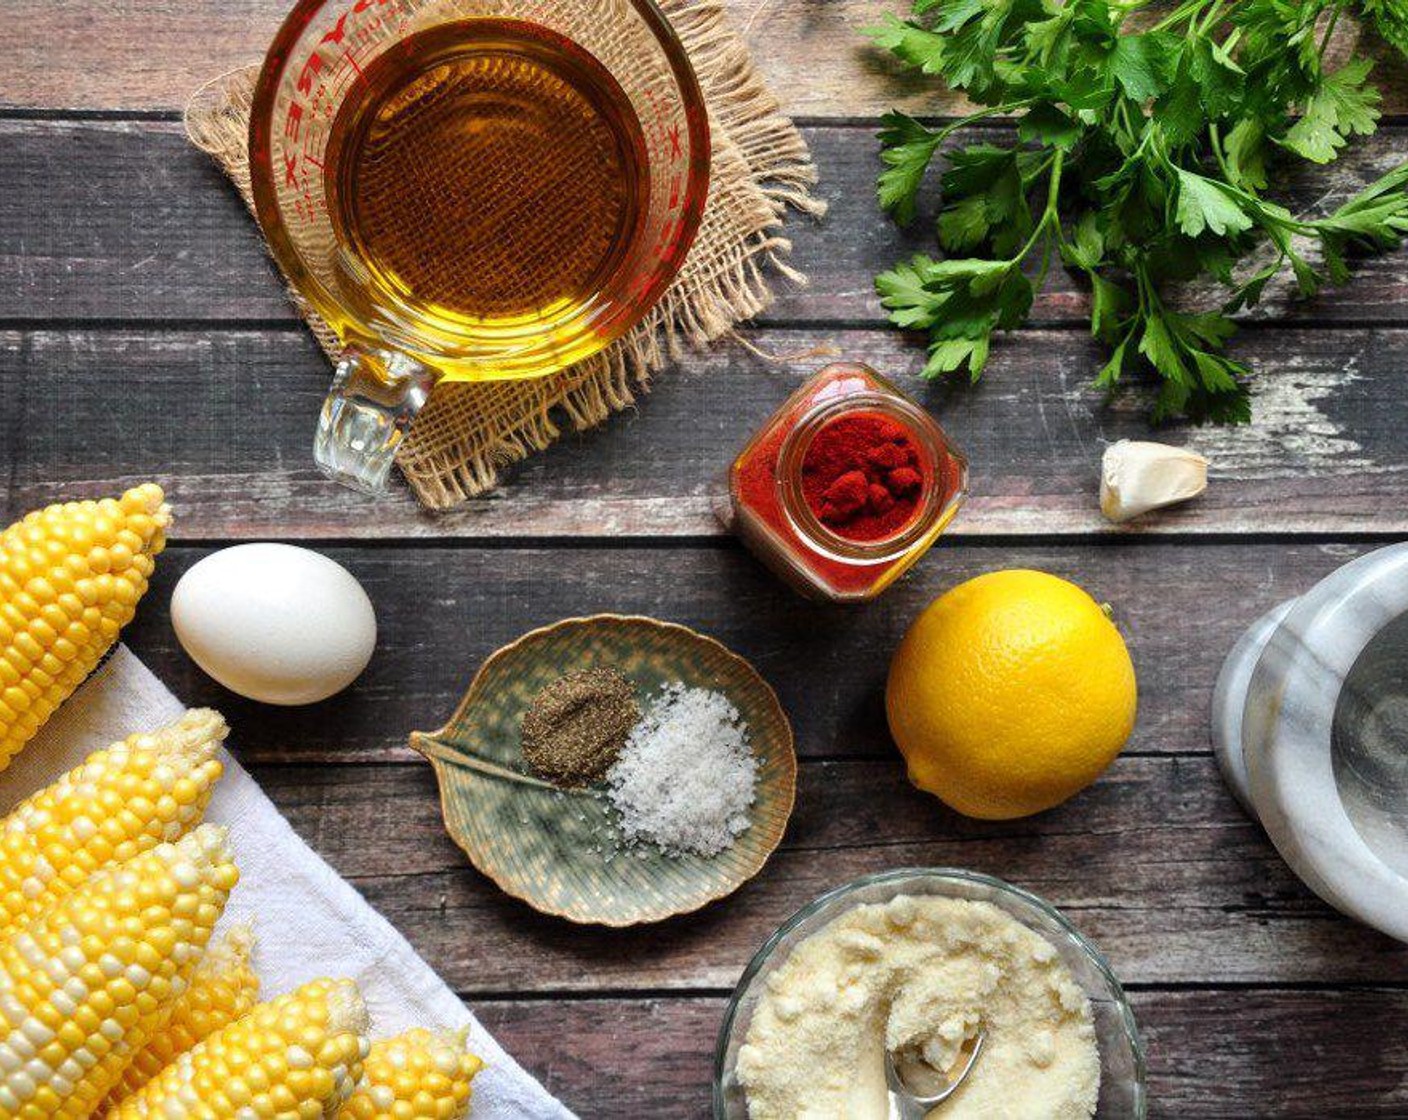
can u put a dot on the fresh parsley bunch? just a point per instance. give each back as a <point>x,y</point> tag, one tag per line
<point>1141,156</point>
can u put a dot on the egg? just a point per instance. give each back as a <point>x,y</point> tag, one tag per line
<point>275,623</point>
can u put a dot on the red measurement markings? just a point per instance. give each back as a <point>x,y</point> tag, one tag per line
<point>365,34</point>
<point>368,33</point>
<point>321,106</point>
<point>337,31</point>
<point>344,77</point>
<point>322,101</point>
<point>659,116</point>
<point>312,67</point>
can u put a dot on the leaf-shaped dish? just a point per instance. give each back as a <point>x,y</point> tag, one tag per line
<point>559,851</point>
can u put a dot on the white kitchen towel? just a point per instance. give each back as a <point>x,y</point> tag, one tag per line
<point>309,922</point>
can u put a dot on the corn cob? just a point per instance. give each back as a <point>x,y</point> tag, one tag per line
<point>419,1075</point>
<point>223,988</point>
<point>70,578</point>
<point>298,1056</point>
<point>84,985</point>
<point>120,801</point>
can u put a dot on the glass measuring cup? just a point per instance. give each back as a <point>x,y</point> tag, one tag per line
<point>399,342</point>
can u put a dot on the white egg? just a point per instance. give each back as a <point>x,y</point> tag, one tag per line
<point>276,623</point>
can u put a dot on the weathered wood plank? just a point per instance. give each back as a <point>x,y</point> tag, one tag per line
<point>615,1057</point>
<point>226,419</point>
<point>152,54</point>
<point>1305,1055</point>
<point>151,231</point>
<point>1155,862</point>
<point>441,612</point>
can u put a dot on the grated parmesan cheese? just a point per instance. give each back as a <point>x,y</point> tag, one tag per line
<point>922,974</point>
<point>684,780</point>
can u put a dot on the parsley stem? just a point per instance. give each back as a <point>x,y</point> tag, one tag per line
<point>1053,190</point>
<point>1050,217</point>
<point>973,118</point>
<point>1190,10</point>
<point>1123,113</point>
<point>1210,20</point>
<point>1215,139</point>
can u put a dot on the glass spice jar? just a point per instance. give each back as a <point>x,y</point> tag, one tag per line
<point>845,486</point>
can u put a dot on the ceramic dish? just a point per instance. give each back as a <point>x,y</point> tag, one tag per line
<point>559,850</point>
<point>1122,1091</point>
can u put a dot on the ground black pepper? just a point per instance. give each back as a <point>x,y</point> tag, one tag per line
<point>576,726</point>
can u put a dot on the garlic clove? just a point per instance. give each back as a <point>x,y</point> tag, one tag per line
<point>1137,476</point>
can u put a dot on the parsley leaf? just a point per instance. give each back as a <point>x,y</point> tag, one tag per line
<point>1341,107</point>
<point>910,43</point>
<point>907,148</point>
<point>1141,159</point>
<point>961,302</point>
<point>986,200</point>
<point>1204,204</point>
<point>1143,64</point>
<point>902,291</point>
<point>1244,155</point>
<point>1048,125</point>
<point>1390,20</point>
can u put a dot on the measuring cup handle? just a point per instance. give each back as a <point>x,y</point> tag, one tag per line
<point>374,397</point>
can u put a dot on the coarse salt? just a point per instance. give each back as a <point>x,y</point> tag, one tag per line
<point>684,780</point>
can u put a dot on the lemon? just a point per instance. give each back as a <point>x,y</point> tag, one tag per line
<point>1010,693</point>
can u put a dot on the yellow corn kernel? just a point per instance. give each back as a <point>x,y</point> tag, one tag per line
<point>122,800</point>
<point>296,1056</point>
<point>70,578</point>
<point>85,985</point>
<point>419,1075</point>
<point>223,988</point>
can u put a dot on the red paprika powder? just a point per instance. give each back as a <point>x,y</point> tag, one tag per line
<point>845,486</point>
<point>862,476</point>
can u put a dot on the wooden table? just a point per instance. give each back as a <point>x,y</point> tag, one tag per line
<point>143,335</point>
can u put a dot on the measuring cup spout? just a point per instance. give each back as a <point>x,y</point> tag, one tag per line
<point>374,398</point>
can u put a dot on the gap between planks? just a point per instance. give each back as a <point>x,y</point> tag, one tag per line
<point>646,995</point>
<point>30,324</point>
<point>801,120</point>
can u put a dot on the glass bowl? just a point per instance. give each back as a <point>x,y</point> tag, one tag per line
<point>1122,1090</point>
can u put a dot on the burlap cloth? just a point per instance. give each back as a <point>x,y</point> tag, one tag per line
<point>467,433</point>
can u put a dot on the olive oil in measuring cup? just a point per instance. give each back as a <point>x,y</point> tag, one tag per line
<point>489,176</point>
<point>462,196</point>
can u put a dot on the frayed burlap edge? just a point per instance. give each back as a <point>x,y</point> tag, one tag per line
<point>467,434</point>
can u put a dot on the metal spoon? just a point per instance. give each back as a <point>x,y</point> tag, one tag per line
<point>908,1104</point>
